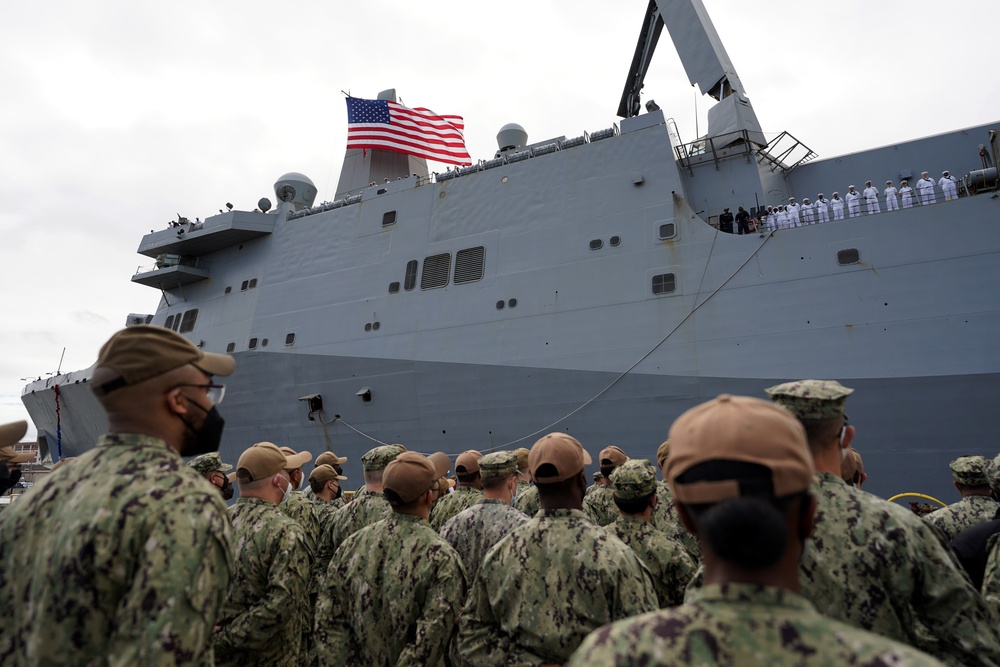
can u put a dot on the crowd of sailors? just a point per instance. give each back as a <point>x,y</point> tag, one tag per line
<point>747,542</point>
<point>852,204</point>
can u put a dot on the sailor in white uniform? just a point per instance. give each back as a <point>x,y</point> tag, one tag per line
<point>807,211</point>
<point>948,188</point>
<point>822,207</point>
<point>906,192</point>
<point>837,204</point>
<point>853,205</point>
<point>925,186</point>
<point>890,197</point>
<point>871,198</point>
<point>792,211</point>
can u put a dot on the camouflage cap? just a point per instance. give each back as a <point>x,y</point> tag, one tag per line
<point>636,478</point>
<point>381,456</point>
<point>969,470</point>
<point>11,434</point>
<point>331,459</point>
<point>498,464</point>
<point>992,472</point>
<point>597,475</point>
<point>324,473</point>
<point>207,463</point>
<point>811,399</point>
<point>142,352</point>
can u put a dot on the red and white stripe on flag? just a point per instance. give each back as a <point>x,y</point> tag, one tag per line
<point>389,126</point>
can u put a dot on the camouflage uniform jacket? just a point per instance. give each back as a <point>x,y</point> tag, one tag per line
<point>306,515</point>
<point>545,587</point>
<point>308,494</point>
<point>991,578</point>
<point>666,519</point>
<point>527,500</point>
<point>122,558</point>
<point>366,508</point>
<point>877,566</point>
<point>391,597</point>
<point>732,625</point>
<point>460,499</point>
<point>474,531</point>
<point>666,559</point>
<point>600,506</point>
<point>967,512</point>
<point>261,619</point>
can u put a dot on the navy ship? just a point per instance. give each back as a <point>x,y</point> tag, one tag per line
<point>581,283</point>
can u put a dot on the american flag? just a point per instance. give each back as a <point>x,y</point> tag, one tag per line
<point>390,126</point>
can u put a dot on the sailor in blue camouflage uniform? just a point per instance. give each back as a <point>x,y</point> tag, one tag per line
<point>874,564</point>
<point>468,493</point>
<point>634,484</point>
<point>741,471</point>
<point>977,504</point>
<point>598,504</point>
<point>211,467</point>
<point>123,557</point>
<point>261,622</point>
<point>474,531</point>
<point>367,506</point>
<point>330,459</point>
<point>395,588</point>
<point>556,578</point>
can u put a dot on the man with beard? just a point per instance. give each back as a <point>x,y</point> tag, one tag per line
<point>124,556</point>
<point>211,467</point>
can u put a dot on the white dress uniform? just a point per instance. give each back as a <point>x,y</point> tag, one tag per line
<point>822,207</point>
<point>948,188</point>
<point>890,198</point>
<point>906,192</point>
<point>792,211</point>
<point>871,200</point>
<point>853,205</point>
<point>837,204</point>
<point>925,187</point>
<point>807,212</point>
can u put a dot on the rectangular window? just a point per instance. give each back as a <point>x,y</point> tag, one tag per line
<point>469,265</point>
<point>170,322</point>
<point>436,270</point>
<point>187,323</point>
<point>663,283</point>
<point>388,218</point>
<point>411,275</point>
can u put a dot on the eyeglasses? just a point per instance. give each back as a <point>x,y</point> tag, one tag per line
<point>214,392</point>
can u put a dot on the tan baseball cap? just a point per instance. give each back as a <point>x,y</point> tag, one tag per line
<point>331,459</point>
<point>662,454</point>
<point>409,475</point>
<point>295,457</point>
<point>467,462</point>
<point>264,459</point>
<point>324,473</point>
<point>563,452</point>
<point>142,352</point>
<point>743,429</point>
<point>439,459</point>
<point>612,456</point>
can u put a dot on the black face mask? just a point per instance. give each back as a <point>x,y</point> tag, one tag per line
<point>206,440</point>
<point>227,488</point>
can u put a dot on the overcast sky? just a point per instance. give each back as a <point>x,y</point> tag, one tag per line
<point>117,116</point>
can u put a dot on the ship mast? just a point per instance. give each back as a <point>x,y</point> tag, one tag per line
<point>705,60</point>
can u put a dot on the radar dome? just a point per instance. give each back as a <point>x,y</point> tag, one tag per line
<point>511,136</point>
<point>264,204</point>
<point>296,189</point>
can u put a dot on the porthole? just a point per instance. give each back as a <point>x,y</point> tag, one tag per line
<point>252,344</point>
<point>230,348</point>
<point>393,287</point>
<point>596,244</point>
<point>615,241</point>
<point>253,283</point>
<point>368,326</point>
<point>243,287</point>
<point>289,339</point>
<point>388,218</point>
<point>512,303</point>
<point>668,230</point>
<point>229,289</point>
<point>500,304</point>
<point>263,343</point>
<point>376,326</point>
<point>848,256</point>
